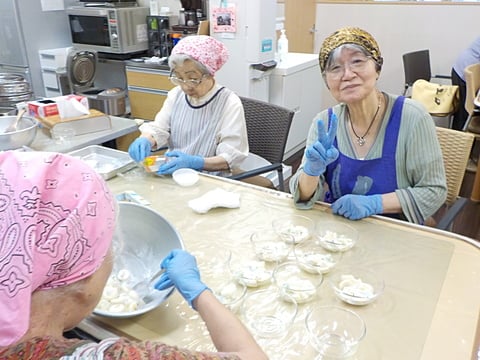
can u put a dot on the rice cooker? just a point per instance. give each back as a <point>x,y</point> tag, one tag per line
<point>81,71</point>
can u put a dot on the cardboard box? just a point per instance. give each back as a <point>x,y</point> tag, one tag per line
<point>49,107</point>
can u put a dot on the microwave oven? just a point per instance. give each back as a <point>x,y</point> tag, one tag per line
<point>114,30</point>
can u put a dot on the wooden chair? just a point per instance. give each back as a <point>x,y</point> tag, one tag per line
<point>456,147</point>
<point>472,80</point>
<point>268,126</point>
<point>472,125</point>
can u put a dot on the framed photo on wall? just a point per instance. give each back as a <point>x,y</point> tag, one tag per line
<point>224,19</point>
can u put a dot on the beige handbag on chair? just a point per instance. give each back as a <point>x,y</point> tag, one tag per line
<point>438,99</point>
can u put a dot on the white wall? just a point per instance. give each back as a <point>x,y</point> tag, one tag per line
<point>174,5</point>
<point>443,29</point>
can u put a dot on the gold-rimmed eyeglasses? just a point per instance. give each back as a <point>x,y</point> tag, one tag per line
<point>189,82</point>
<point>356,65</point>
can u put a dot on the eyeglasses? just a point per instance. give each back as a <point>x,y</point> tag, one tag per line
<point>190,82</point>
<point>357,64</point>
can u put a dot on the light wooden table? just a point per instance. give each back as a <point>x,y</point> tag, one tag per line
<point>429,309</point>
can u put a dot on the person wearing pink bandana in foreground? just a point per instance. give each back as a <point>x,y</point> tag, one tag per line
<point>50,209</point>
<point>57,220</point>
<point>201,122</point>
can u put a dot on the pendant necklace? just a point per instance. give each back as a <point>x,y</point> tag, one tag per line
<point>361,139</point>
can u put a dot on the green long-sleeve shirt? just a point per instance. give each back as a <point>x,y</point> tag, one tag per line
<point>422,187</point>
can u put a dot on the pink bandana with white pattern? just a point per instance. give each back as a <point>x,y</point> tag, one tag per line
<point>57,219</point>
<point>205,49</point>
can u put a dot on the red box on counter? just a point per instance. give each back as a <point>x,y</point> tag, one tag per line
<point>42,108</point>
<point>49,107</point>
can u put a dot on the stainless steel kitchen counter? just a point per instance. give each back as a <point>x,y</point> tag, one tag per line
<point>120,126</point>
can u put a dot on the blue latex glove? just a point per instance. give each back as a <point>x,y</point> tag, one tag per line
<point>178,160</point>
<point>182,272</point>
<point>140,149</point>
<point>355,207</point>
<point>321,152</point>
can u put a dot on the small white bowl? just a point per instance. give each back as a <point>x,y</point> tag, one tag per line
<point>185,177</point>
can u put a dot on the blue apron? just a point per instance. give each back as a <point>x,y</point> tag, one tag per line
<point>367,177</point>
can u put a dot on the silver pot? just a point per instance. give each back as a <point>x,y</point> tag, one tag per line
<point>109,101</point>
<point>24,136</point>
<point>7,110</point>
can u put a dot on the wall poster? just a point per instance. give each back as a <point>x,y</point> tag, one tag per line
<point>224,19</point>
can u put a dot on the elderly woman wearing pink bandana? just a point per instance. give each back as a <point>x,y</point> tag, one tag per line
<point>57,220</point>
<point>201,122</point>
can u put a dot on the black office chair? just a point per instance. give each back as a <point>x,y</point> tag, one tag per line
<point>416,65</point>
<point>268,126</point>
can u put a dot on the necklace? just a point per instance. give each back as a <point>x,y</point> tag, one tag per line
<point>361,139</point>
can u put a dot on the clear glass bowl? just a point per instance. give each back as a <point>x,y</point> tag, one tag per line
<point>312,257</point>
<point>230,293</point>
<point>251,273</point>
<point>337,236</point>
<point>267,314</point>
<point>356,286</point>
<point>335,332</point>
<point>269,246</point>
<point>299,227</point>
<point>152,163</point>
<point>293,282</point>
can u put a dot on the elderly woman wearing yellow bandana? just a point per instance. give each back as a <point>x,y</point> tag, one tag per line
<point>377,152</point>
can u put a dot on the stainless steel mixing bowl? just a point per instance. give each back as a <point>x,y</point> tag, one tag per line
<point>142,239</point>
<point>24,136</point>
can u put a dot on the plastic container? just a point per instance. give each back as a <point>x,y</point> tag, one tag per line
<point>282,46</point>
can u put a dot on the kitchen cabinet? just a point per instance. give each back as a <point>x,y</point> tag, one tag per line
<point>295,83</point>
<point>147,89</point>
<point>148,86</point>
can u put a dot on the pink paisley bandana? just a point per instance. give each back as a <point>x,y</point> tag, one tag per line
<point>57,220</point>
<point>205,49</point>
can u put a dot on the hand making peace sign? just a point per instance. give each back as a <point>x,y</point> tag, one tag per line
<point>322,152</point>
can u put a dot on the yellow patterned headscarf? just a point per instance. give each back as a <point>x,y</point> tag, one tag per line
<point>349,35</point>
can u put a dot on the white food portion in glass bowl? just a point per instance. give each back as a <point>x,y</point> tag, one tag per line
<point>299,233</point>
<point>272,251</point>
<point>227,294</point>
<point>253,274</point>
<point>301,290</point>
<point>334,241</point>
<point>314,262</point>
<point>355,287</point>
<point>118,296</point>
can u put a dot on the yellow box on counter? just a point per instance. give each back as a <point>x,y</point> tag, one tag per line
<point>50,106</point>
<point>93,122</point>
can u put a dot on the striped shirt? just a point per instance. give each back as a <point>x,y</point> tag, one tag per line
<point>421,178</point>
<point>213,125</point>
